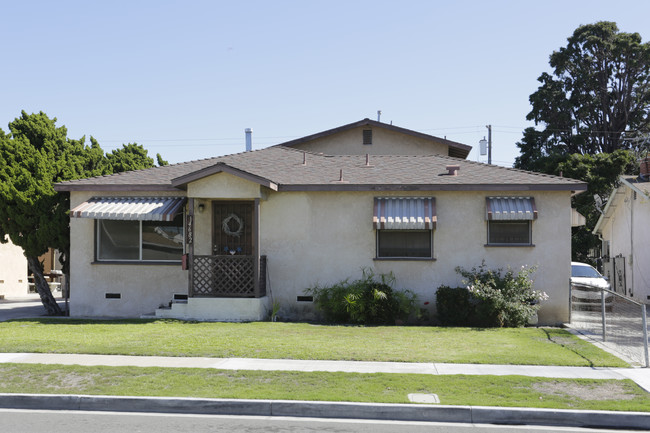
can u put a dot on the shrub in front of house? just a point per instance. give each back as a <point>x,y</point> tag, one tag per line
<point>453,306</point>
<point>501,298</point>
<point>370,301</point>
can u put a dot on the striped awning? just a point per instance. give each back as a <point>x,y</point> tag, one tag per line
<point>510,208</point>
<point>405,213</point>
<point>130,208</point>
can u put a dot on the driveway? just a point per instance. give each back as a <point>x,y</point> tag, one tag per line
<point>24,307</point>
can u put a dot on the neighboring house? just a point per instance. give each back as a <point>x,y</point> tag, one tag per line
<point>624,228</point>
<point>223,238</point>
<point>13,271</point>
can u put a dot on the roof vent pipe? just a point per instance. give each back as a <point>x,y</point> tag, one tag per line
<point>453,170</point>
<point>378,115</point>
<point>249,139</point>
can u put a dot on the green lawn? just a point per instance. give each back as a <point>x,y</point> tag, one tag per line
<point>504,391</point>
<point>529,346</point>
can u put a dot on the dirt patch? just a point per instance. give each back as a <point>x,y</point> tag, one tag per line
<point>587,392</point>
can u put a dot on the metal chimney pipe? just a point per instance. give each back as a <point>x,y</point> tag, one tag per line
<point>249,139</point>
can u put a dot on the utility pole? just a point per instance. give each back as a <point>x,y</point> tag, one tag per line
<point>489,128</point>
<point>487,144</point>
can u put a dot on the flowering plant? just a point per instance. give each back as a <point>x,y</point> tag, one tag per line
<point>502,298</point>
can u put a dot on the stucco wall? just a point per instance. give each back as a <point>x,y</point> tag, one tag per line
<point>628,232</point>
<point>142,287</point>
<point>384,142</point>
<point>325,237</point>
<point>13,271</point>
<point>322,238</point>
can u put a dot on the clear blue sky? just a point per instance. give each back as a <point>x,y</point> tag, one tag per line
<point>185,78</point>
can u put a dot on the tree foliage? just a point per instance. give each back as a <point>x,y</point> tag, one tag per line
<point>34,156</point>
<point>597,99</point>
<point>594,112</point>
<point>130,157</point>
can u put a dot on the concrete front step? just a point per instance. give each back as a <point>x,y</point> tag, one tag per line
<point>217,309</point>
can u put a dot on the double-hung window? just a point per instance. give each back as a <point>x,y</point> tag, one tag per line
<point>510,221</point>
<point>404,227</point>
<point>136,229</point>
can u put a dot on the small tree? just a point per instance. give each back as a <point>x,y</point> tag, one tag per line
<point>33,157</point>
<point>36,155</point>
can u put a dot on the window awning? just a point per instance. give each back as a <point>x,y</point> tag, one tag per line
<point>510,208</point>
<point>405,213</point>
<point>130,208</point>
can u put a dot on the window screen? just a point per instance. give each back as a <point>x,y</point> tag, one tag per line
<point>404,243</point>
<point>509,232</point>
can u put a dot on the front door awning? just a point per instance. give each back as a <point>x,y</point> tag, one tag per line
<point>130,208</point>
<point>510,208</point>
<point>405,213</point>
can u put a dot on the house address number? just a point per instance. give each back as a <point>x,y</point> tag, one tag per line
<point>190,229</point>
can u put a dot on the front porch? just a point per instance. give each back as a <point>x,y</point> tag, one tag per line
<point>227,288</point>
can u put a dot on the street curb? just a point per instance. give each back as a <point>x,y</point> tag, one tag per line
<point>290,408</point>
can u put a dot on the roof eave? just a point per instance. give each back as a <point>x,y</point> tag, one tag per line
<point>113,187</point>
<point>342,186</point>
<point>611,202</point>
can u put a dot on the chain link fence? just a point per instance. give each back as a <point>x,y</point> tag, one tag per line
<point>617,322</point>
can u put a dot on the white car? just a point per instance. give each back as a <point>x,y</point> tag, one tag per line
<point>586,286</point>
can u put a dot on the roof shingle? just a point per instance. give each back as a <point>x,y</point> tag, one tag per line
<point>292,170</point>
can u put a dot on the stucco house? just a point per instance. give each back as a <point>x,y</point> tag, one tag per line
<point>223,238</point>
<point>624,228</point>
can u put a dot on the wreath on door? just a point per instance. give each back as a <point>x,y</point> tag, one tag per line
<point>225,225</point>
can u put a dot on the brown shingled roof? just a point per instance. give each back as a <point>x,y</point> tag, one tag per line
<point>285,169</point>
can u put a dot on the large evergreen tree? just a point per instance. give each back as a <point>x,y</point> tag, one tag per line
<point>34,156</point>
<point>593,111</point>
<point>597,100</point>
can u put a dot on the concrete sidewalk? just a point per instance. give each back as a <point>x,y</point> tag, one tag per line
<point>405,412</point>
<point>639,375</point>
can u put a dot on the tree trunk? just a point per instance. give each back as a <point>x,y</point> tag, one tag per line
<point>43,289</point>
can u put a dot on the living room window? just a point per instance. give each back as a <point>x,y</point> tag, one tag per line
<point>140,240</point>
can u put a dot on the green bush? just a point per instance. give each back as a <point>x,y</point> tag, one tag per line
<point>368,301</point>
<point>453,306</point>
<point>503,299</point>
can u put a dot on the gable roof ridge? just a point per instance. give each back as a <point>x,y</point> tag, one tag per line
<point>374,123</point>
<point>293,149</point>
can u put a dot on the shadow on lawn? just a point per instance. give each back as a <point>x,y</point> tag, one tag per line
<point>550,338</point>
